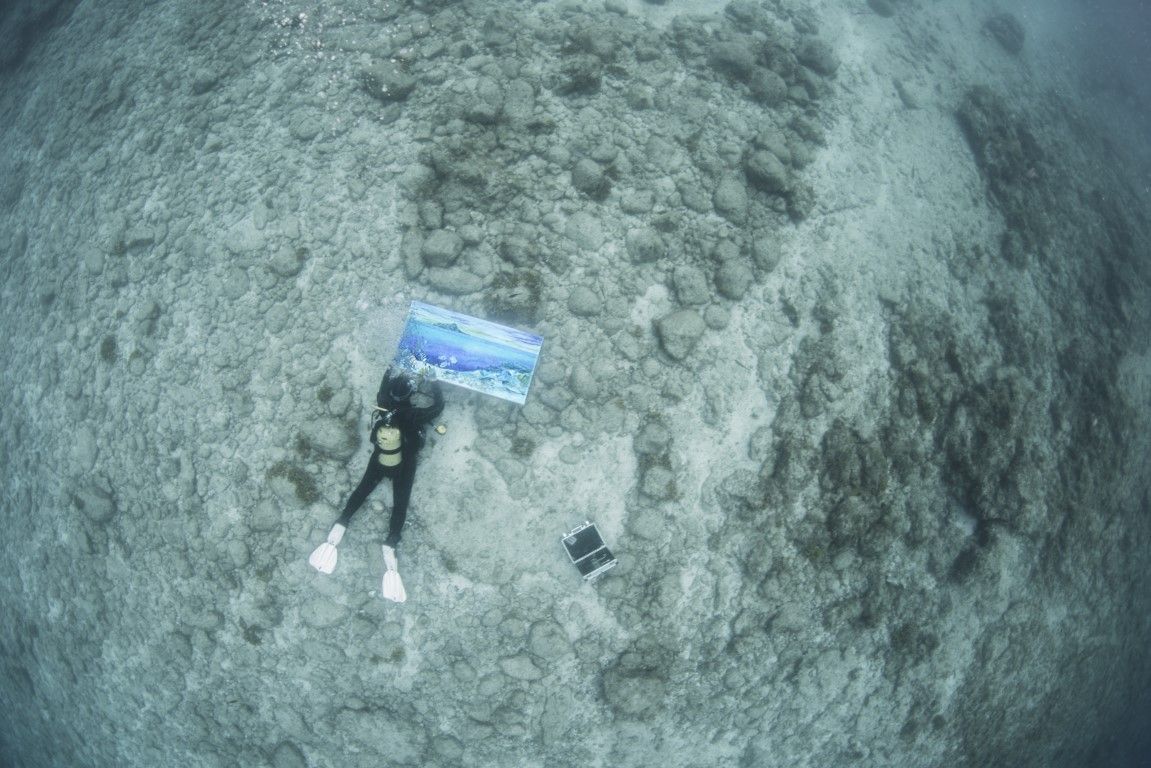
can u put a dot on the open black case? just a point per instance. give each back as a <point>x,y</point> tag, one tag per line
<point>586,549</point>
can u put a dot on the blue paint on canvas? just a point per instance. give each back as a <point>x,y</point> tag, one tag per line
<point>469,352</point>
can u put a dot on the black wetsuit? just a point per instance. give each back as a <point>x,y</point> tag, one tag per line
<point>410,420</point>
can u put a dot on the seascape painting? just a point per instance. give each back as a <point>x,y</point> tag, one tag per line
<point>476,354</point>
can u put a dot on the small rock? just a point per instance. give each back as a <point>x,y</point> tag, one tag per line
<point>730,198</point>
<point>633,692</point>
<point>774,141</point>
<point>448,748</point>
<point>471,234</point>
<point>205,619</point>
<point>637,201</point>
<point>235,283</point>
<point>411,248</point>
<point>288,261</point>
<point>305,127</point>
<point>640,97</point>
<point>717,316</point>
<point>767,87</point>
<point>454,281</point>
<point>486,103</point>
<point>330,437</point>
<point>680,332</point>
<point>693,195</point>
<point>93,262</point>
<point>690,285</point>
<point>387,82</point>
<point>519,102</point>
<point>725,250</point>
<point>204,81</point>
<point>818,56</point>
<point>801,202</point>
<point>416,178</point>
<point>734,57</point>
<point>733,279</point>
<point>442,248</point>
<point>658,483</point>
<point>585,230</point>
<point>808,130</point>
<point>584,302</point>
<point>1007,31</point>
<point>884,8</point>
<point>288,755</point>
<point>588,177</point>
<point>765,252</point>
<point>97,503</point>
<point>583,383</point>
<point>550,372</point>
<point>139,237</point>
<point>766,172</point>
<point>790,618</point>
<point>520,667</point>
<point>548,640</point>
<point>265,516</point>
<point>321,612</point>
<point>581,74</point>
<point>653,439</point>
<point>238,553</point>
<point>644,245</point>
<point>19,243</point>
<point>84,449</point>
<point>906,94</point>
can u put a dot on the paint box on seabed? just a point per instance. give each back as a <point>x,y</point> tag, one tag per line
<point>586,549</point>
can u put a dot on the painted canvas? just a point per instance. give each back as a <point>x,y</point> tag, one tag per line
<point>469,352</point>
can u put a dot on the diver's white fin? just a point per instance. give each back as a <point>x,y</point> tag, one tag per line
<point>393,588</point>
<point>323,559</point>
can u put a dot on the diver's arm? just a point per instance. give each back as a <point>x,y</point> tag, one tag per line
<point>437,406</point>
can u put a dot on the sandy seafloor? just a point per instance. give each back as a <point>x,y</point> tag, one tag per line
<point>846,309</point>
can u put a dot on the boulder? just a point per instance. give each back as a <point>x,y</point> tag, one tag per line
<point>767,87</point>
<point>1007,31</point>
<point>690,285</point>
<point>733,279</point>
<point>442,248</point>
<point>387,82</point>
<point>330,437</point>
<point>584,302</point>
<point>680,332</point>
<point>644,245</point>
<point>588,177</point>
<point>818,56</point>
<point>730,198</point>
<point>765,171</point>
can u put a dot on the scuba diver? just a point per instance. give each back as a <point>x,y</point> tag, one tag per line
<point>403,410</point>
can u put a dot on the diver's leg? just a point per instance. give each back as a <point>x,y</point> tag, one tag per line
<point>372,477</point>
<point>324,557</point>
<point>403,477</point>
<point>402,483</point>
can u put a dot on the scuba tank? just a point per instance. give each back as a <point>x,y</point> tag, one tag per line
<point>390,441</point>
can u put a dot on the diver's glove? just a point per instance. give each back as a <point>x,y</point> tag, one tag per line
<point>393,588</point>
<point>323,559</point>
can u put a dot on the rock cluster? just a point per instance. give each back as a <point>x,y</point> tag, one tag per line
<point>1014,167</point>
<point>513,132</point>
